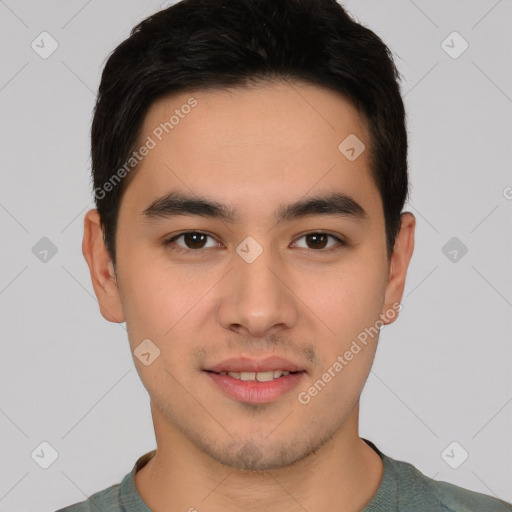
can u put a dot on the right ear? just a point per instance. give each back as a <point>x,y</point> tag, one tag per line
<point>103,277</point>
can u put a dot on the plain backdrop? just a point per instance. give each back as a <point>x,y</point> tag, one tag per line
<point>442,371</point>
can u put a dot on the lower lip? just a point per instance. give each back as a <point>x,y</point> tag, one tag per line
<point>255,392</point>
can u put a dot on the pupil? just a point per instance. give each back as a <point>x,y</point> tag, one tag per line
<point>317,237</point>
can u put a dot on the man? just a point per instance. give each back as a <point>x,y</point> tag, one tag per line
<point>250,169</point>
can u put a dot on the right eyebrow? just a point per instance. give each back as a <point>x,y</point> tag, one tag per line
<point>177,203</point>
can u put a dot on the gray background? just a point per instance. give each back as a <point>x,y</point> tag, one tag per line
<point>442,371</point>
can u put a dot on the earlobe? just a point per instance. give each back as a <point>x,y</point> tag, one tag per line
<point>399,264</point>
<point>101,268</point>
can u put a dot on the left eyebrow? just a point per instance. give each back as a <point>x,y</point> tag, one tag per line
<point>335,203</point>
<point>177,203</point>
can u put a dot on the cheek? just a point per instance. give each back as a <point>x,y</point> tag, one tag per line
<point>165,306</point>
<point>350,305</point>
<point>160,299</point>
<point>347,299</point>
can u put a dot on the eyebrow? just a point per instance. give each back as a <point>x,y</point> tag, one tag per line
<point>177,203</point>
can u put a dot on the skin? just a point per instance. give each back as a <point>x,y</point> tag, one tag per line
<point>239,147</point>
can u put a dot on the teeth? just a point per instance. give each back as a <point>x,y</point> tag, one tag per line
<point>259,376</point>
<point>265,376</point>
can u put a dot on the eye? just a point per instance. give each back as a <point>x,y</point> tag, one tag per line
<point>192,240</point>
<point>319,241</point>
<point>195,241</point>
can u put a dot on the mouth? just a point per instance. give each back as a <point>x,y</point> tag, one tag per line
<point>262,387</point>
<point>261,376</point>
<point>255,381</point>
<point>248,368</point>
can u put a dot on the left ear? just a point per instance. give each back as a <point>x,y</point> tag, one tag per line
<point>399,263</point>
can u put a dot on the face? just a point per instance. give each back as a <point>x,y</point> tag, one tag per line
<point>214,263</point>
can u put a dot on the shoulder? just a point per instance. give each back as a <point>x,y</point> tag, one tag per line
<point>416,490</point>
<point>107,500</point>
<point>119,497</point>
<point>459,499</point>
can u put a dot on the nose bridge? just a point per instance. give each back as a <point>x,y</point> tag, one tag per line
<point>256,297</point>
<point>257,281</point>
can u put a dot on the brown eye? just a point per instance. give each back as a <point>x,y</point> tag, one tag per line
<point>194,240</point>
<point>191,240</point>
<point>319,241</point>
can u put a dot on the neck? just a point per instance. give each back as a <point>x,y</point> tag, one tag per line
<point>343,474</point>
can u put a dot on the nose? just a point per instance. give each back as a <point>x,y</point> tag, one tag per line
<point>256,297</point>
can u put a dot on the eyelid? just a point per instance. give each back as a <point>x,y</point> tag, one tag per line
<point>341,241</point>
<point>170,240</point>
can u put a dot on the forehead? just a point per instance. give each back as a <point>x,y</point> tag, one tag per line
<point>250,147</point>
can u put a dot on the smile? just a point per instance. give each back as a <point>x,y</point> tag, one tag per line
<point>259,376</point>
<point>256,387</point>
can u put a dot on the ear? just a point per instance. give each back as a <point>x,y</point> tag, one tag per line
<point>398,265</point>
<point>104,280</point>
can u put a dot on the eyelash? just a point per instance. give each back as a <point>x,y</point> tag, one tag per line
<point>167,243</point>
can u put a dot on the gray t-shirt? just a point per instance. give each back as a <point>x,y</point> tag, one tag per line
<point>403,489</point>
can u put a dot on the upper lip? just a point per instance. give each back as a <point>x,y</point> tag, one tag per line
<point>245,364</point>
